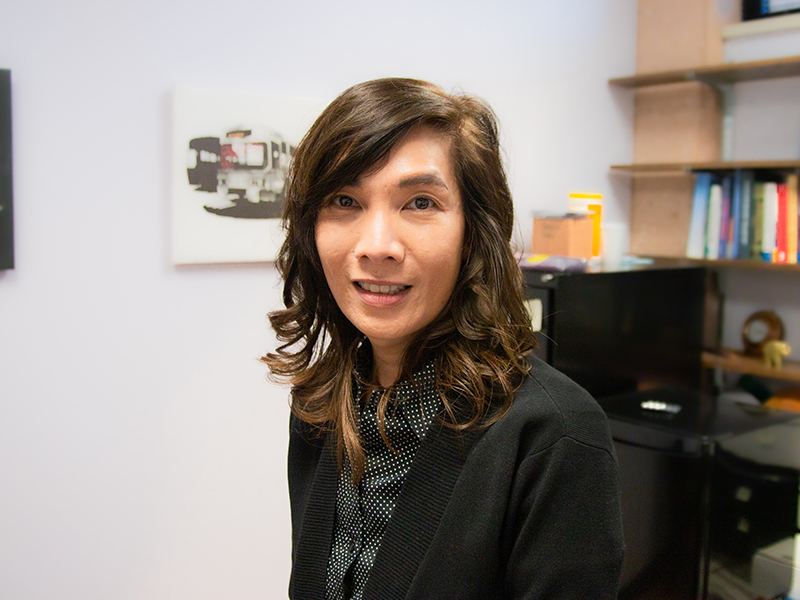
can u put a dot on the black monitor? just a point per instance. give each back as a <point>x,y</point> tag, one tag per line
<point>622,331</point>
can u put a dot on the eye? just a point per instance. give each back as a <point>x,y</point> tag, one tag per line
<point>343,201</point>
<point>421,203</point>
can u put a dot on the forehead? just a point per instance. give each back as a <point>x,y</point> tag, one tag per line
<point>422,156</point>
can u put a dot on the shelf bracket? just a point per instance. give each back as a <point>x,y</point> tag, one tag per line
<point>726,94</point>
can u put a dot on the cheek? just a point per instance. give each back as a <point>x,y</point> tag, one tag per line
<point>446,260</point>
<point>325,240</point>
<point>334,256</point>
<point>326,237</point>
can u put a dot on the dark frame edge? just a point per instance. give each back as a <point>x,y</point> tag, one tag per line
<point>6,174</point>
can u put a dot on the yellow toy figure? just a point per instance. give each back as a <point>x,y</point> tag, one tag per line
<point>774,352</point>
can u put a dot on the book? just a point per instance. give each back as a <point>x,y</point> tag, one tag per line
<point>791,219</point>
<point>770,223</point>
<point>781,225</point>
<point>757,220</point>
<point>725,217</point>
<point>713,221</point>
<point>548,262</point>
<point>732,250</point>
<point>695,245</point>
<point>746,215</point>
<point>758,9</point>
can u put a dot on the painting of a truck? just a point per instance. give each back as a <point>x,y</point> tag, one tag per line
<point>244,171</point>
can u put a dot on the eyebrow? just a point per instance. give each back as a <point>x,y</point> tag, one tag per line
<point>422,179</point>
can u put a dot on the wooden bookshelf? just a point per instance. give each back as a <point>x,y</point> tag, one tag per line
<point>717,74</point>
<point>680,261</point>
<point>688,167</point>
<point>731,360</point>
<point>681,95</point>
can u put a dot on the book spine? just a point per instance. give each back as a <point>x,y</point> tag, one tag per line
<point>791,219</point>
<point>725,218</point>
<point>782,229</point>
<point>757,221</point>
<point>733,227</point>
<point>770,228</point>
<point>713,228</point>
<point>746,216</point>
<point>695,245</point>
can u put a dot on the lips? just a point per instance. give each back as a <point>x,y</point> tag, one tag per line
<point>381,289</point>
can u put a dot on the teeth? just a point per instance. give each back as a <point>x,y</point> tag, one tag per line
<point>382,289</point>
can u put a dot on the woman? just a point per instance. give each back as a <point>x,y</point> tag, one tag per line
<point>431,456</point>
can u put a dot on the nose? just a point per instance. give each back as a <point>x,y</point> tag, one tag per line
<point>379,236</point>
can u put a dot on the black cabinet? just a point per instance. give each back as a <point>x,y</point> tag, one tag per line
<point>701,492</point>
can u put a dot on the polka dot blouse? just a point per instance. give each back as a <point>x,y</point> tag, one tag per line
<point>363,511</point>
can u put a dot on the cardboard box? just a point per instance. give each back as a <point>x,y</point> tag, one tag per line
<point>563,236</point>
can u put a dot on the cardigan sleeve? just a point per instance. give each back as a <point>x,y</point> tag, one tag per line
<point>564,528</point>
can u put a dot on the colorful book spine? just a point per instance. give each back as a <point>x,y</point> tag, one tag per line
<point>746,216</point>
<point>732,250</point>
<point>695,245</point>
<point>757,220</point>
<point>770,229</point>
<point>713,222</point>
<point>791,219</point>
<point>725,218</point>
<point>781,228</point>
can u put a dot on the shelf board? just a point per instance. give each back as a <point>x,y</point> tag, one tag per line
<point>730,360</point>
<point>670,261</point>
<point>761,26</point>
<point>772,68</point>
<point>707,166</point>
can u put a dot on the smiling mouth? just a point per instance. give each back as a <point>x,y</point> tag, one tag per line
<point>382,289</point>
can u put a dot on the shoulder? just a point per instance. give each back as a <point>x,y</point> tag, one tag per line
<point>305,443</point>
<point>549,407</point>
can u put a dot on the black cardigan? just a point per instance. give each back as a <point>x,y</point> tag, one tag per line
<point>527,508</point>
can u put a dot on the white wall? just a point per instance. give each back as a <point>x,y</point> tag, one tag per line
<point>142,451</point>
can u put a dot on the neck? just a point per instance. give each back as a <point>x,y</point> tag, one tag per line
<point>386,364</point>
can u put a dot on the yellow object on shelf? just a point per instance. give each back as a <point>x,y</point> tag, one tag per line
<point>774,351</point>
<point>788,399</point>
<point>592,206</point>
<point>784,404</point>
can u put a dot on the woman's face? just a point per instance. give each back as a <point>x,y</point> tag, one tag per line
<point>391,244</point>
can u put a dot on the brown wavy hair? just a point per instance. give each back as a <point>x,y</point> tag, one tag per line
<point>480,339</point>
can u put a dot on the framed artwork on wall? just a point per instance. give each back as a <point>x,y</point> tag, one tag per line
<point>230,154</point>
<point>6,182</point>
